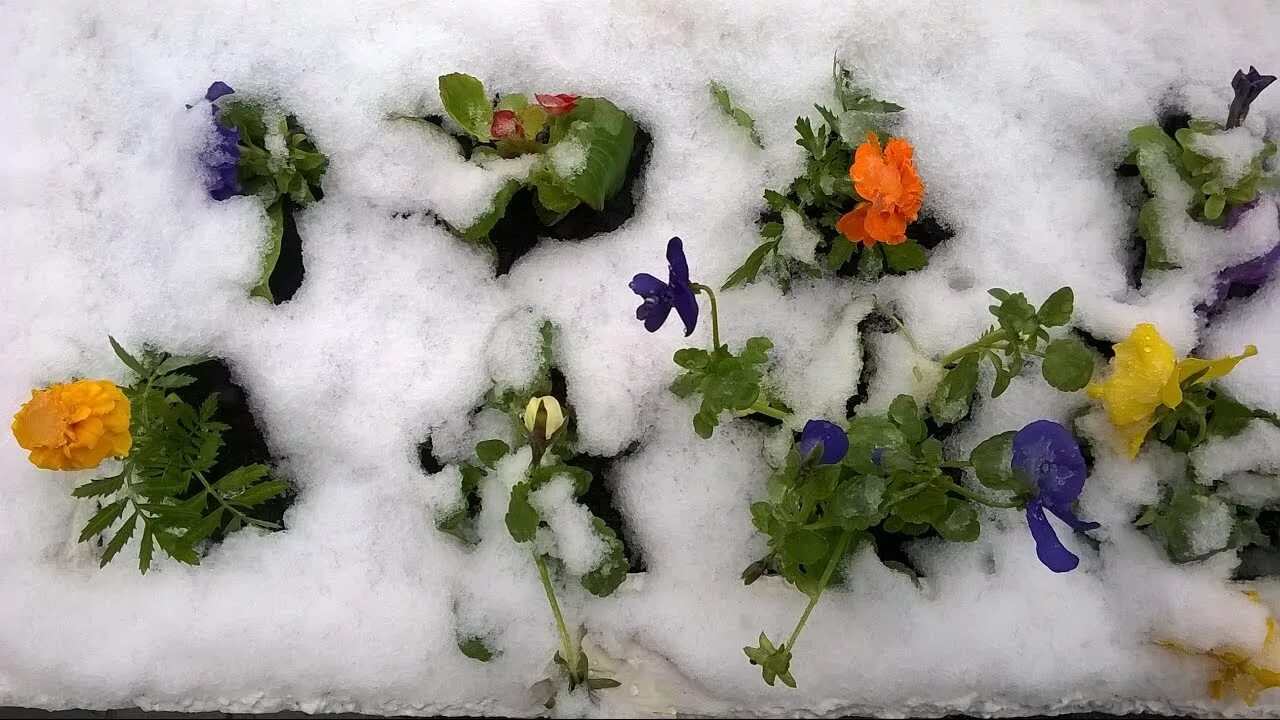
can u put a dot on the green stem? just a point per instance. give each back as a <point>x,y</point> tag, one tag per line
<point>570,652</point>
<point>987,339</point>
<point>764,408</point>
<point>906,334</point>
<point>822,585</point>
<point>243,518</point>
<point>966,492</point>
<point>715,314</point>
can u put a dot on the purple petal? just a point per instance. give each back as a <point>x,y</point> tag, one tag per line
<point>1068,516</point>
<point>677,263</point>
<point>647,285</point>
<point>1047,455</point>
<point>1247,87</point>
<point>654,312</point>
<point>1248,275</point>
<point>826,437</point>
<point>1232,218</point>
<point>1049,549</point>
<point>217,90</point>
<point>687,306</point>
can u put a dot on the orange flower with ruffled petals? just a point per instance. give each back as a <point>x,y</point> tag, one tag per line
<point>891,191</point>
<point>74,426</point>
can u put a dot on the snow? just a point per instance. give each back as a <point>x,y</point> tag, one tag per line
<point>1236,148</point>
<point>1018,115</point>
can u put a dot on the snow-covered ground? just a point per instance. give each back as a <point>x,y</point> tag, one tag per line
<point>1018,113</point>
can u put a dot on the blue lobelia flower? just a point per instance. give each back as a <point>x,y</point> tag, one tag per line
<point>825,439</point>
<point>1048,457</point>
<point>660,297</point>
<point>1247,86</point>
<point>222,159</point>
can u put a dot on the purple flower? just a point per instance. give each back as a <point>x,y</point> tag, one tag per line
<point>1049,458</point>
<point>824,439</point>
<point>222,159</point>
<point>660,297</point>
<point>1247,86</point>
<point>1248,275</point>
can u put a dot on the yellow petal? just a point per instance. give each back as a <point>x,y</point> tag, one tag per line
<point>1213,369</point>
<point>1141,369</point>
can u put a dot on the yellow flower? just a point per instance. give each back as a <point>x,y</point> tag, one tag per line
<point>543,417</point>
<point>74,426</point>
<point>1244,674</point>
<point>1146,375</point>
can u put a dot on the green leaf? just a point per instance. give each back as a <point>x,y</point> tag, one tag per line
<point>613,567</point>
<point>145,548</point>
<point>991,463</point>
<point>118,541</point>
<point>865,435</point>
<point>130,361</point>
<point>905,257</point>
<point>464,99</point>
<point>259,493</point>
<point>926,507</point>
<point>275,240</point>
<point>756,350</point>
<point>738,115</point>
<point>99,487</point>
<point>1227,417</point>
<point>692,358</point>
<point>959,523</point>
<point>1149,228</point>
<point>750,269</point>
<point>803,547</point>
<point>203,528</point>
<point>840,253</point>
<point>491,451</point>
<point>950,401</point>
<point>475,648</point>
<point>602,683</point>
<point>904,413</point>
<point>102,519</point>
<point>870,263</point>
<point>175,548</point>
<point>1214,206</point>
<point>859,502</point>
<point>480,228</point>
<point>606,135</point>
<point>240,478</point>
<point>704,424</point>
<point>1068,365</point>
<point>557,199</point>
<point>522,518</point>
<point>1057,308</point>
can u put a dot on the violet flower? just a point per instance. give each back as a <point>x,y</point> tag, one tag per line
<point>825,440</point>
<point>222,159</point>
<point>1049,458</point>
<point>660,297</point>
<point>1247,86</point>
<point>1246,276</point>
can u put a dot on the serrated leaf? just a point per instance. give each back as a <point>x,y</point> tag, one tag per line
<point>130,361</point>
<point>102,519</point>
<point>240,478</point>
<point>174,547</point>
<point>905,257</point>
<point>145,548</point>
<point>118,541</point>
<point>258,494</point>
<point>99,487</point>
<point>738,115</point>
<point>464,99</point>
<point>204,527</point>
<point>1068,365</point>
<point>613,567</point>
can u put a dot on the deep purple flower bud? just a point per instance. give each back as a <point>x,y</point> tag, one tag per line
<point>1047,455</point>
<point>1247,86</point>
<point>660,297</point>
<point>877,457</point>
<point>825,440</point>
<point>222,158</point>
<point>217,90</point>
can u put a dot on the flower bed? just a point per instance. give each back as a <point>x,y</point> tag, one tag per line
<point>641,360</point>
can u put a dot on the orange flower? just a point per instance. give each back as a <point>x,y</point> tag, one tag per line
<point>891,192</point>
<point>74,426</point>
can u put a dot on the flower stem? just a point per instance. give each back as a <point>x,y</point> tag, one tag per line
<point>715,314</point>
<point>987,339</point>
<point>822,585</point>
<point>764,408</point>
<point>966,492</point>
<point>570,652</point>
<point>902,328</point>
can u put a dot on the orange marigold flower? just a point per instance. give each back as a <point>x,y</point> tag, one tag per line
<point>891,191</point>
<point>74,426</point>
